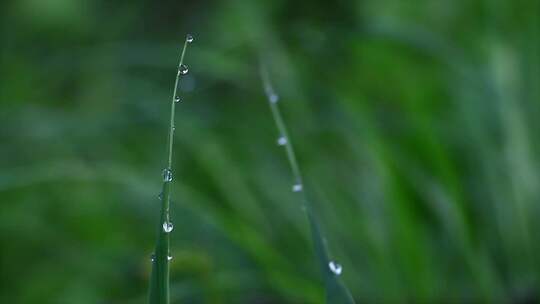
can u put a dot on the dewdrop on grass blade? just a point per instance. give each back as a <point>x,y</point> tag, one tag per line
<point>168,227</point>
<point>167,173</point>
<point>159,280</point>
<point>183,69</point>
<point>335,267</point>
<point>273,98</point>
<point>297,187</point>
<point>282,141</point>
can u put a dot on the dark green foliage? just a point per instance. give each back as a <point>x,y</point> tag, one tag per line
<point>415,123</point>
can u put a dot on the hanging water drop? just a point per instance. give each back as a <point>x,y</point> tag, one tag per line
<point>274,98</point>
<point>169,258</point>
<point>177,99</point>
<point>168,227</point>
<point>335,267</point>
<point>189,38</point>
<point>167,175</point>
<point>183,69</point>
<point>297,188</point>
<point>152,257</point>
<point>282,141</point>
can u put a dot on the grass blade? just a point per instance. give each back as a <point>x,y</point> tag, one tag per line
<point>159,279</point>
<point>336,292</point>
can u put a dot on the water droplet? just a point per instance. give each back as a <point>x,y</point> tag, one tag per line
<point>189,38</point>
<point>274,98</point>
<point>177,99</point>
<point>335,267</point>
<point>297,188</point>
<point>169,258</point>
<point>168,227</point>
<point>152,257</point>
<point>282,141</point>
<point>167,175</point>
<point>173,128</point>
<point>183,69</point>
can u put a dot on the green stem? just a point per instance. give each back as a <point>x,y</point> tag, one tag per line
<point>336,292</point>
<point>173,105</point>
<point>159,279</point>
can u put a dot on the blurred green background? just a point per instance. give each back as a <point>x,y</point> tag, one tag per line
<point>415,124</point>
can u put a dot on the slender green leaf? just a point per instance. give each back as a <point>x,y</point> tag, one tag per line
<point>159,279</point>
<point>336,292</point>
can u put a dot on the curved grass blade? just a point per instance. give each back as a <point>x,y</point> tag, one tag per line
<point>159,279</point>
<point>336,292</point>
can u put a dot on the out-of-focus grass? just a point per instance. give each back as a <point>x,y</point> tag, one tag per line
<point>330,269</point>
<point>415,124</point>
